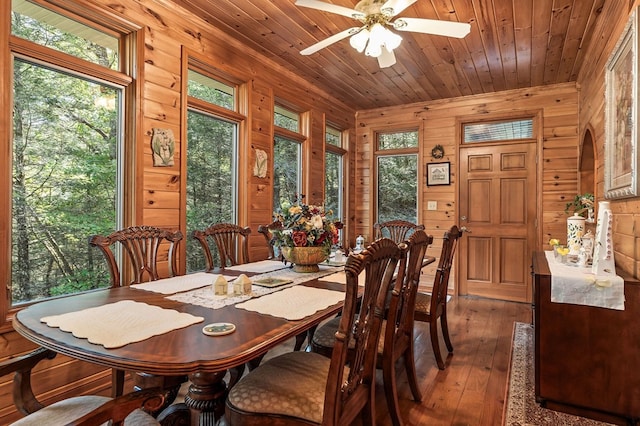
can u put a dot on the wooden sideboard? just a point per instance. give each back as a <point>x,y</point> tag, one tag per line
<point>587,359</point>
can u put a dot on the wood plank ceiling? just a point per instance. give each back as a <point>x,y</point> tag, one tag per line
<point>512,44</point>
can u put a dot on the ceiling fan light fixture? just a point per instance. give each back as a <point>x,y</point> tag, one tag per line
<point>392,40</point>
<point>359,40</point>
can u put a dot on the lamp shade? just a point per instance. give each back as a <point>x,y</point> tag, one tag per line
<point>359,40</point>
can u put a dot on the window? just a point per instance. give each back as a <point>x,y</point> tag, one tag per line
<point>287,173</point>
<point>287,156</point>
<point>212,144</point>
<point>397,176</point>
<point>498,131</point>
<point>334,169</point>
<point>67,147</point>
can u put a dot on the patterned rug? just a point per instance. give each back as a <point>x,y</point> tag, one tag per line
<point>521,408</point>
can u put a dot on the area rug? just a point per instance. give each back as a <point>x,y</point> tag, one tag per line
<point>521,408</point>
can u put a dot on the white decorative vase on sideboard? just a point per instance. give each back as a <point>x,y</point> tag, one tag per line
<point>603,261</point>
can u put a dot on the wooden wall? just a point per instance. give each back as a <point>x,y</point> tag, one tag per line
<point>626,212</point>
<point>439,121</point>
<point>169,32</point>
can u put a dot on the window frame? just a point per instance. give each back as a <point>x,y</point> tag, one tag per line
<point>380,153</point>
<point>131,37</point>
<point>195,61</point>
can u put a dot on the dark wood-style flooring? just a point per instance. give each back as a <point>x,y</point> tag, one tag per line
<point>471,390</point>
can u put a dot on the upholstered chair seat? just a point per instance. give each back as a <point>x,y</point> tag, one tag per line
<point>69,410</point>
<point>423,302</point>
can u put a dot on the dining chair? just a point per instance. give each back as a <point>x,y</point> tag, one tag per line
<point>140,246</point>
<point>308,388</point>
<point>398,230</point>
<point>140,255</point>
<point>131,409</point>
<point>431,306</point>
<point>396,340</point>
<point>231,242</point>
<point>265,230</point>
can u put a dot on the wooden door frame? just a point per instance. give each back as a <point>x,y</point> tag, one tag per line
<point>538,128</point>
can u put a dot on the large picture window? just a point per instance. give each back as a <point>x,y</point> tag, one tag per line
<point>66,149</point>
<point>334,172</point>
<point>212,144</point>
<point>397,176</point>
<point>287,156</point>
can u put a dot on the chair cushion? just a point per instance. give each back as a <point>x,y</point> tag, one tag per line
<point>423,302</point>
<point>325,335</point>
<point>67,410</point>
<point>292,384</point>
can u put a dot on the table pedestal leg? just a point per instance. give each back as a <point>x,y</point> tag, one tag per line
<point>206,398</point>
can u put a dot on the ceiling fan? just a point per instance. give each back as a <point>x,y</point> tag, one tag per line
<point>374,38</point>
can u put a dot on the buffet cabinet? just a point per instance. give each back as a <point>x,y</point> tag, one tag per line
<point>587,359</point>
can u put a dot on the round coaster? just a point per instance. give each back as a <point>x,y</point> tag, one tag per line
<point>218,329</point>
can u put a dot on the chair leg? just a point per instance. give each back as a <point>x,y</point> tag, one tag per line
<point>235,373</point>
<point>117,382</point>
<point>410,368</point>
<point>445,330</point>
<point>433,328</point>
<point>391,390</point>
<point>255,362</point>
<point>300,338</point>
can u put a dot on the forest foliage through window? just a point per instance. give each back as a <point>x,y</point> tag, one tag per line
<point>66,143</point>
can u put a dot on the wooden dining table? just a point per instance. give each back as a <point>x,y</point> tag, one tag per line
<point>185,351</point>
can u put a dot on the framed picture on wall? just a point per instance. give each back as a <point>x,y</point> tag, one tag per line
<point>621,115</point>
<point>438,174</point>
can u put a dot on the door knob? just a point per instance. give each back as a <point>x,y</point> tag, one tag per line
<point>463,218</point>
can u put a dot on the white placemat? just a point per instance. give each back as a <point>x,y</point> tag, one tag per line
<point>180,283</point>
<point>341,277</point>
<point>293,303</point>
<point>260,267</point>
<point>206,298</point>
<point>116,324</point>
<point>577,285</point>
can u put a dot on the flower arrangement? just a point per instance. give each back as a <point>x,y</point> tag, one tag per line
<point>302,225</point>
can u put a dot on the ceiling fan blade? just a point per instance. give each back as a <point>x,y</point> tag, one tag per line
<point>431,26</point>
<point>327,7</point>
<point>394,7</point>
<point>330,40</point>
<point>386,58</point>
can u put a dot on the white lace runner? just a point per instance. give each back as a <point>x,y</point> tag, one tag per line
<point>205,296</point>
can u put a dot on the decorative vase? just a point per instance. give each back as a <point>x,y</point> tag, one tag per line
<point>305,259</point>
<point>575,231</point>
<point>603,261</point>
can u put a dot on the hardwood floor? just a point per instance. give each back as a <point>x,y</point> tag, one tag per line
<point>471,390</point>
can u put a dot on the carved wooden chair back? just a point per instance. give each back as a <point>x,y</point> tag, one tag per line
<point>431,307</point>
<point>397,230</point>
<point>231,242</point>
<point>398,330</point>
<point>265,230</point>
<point>348,396</point>
<point>141,250</point>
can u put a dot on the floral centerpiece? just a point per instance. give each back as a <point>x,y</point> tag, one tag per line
<point>298,225</point>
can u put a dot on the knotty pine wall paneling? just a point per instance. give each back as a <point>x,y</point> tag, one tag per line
<point>169,29</point>
<point>558,150</point>
<point>626,212</point>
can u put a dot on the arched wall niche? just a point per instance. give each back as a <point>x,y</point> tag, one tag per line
<point>587,165</point>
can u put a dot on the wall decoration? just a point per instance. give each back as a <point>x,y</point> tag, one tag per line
<point>260,167</point>
<point>163,146</point>
<point>621,115</point>
<point>437,152</point>
<point>438,174</point>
